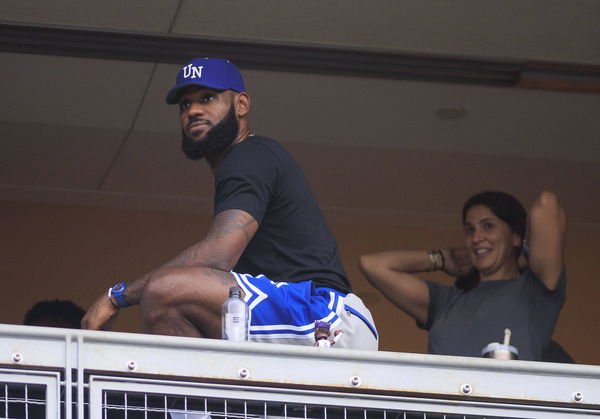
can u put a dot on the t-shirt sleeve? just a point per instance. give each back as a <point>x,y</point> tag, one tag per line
<point>246,180</point>
<point>559,294</point>
<point>438,294</point>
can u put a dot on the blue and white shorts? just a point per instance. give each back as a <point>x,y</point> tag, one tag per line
<point>285,312</point>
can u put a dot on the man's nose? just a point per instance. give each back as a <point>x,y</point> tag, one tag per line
<point>196,109</point>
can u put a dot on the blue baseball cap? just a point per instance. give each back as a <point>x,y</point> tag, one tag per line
<point>216,73</point>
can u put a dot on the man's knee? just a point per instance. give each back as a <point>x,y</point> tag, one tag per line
<point>174,286</point>
<point>184,301</point>
<point>157,289</point>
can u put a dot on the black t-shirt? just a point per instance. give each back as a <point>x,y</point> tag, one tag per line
<point>293,242</point>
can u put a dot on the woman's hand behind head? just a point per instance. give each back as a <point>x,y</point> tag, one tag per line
<point>457,261</point>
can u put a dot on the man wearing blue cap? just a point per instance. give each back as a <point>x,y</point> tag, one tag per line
<point>268,235</point>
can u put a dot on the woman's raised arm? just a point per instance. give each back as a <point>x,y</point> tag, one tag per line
<point>547,224</point>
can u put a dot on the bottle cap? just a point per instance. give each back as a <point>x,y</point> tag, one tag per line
<point>234,291</point>
<point>322,324</point>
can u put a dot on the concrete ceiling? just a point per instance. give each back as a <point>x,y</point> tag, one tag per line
<point>96,131</point>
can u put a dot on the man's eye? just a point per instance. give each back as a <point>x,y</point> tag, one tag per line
<point>184,105</point>
<point>208,98</point>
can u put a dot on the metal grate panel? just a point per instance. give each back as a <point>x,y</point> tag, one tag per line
<point>155,406</point>
<point>113,397</point>
<point>22,400</point>
<point>29,394</point>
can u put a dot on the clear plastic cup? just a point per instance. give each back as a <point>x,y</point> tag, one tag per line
<point>500,351</point>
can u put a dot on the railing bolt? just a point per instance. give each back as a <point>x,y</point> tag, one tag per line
<point>131,365</point>
<point>17,357</point>
<point>577,396</point>
<point>466,389</point>
<point>355,381</point>
<point>244,373</point>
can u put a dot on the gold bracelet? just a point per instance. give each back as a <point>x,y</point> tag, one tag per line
<point>431,254</point>
<point>436,258</point>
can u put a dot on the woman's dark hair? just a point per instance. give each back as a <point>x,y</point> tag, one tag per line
<point>504,206</point>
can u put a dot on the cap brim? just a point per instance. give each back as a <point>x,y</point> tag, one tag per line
<point>175,93</point>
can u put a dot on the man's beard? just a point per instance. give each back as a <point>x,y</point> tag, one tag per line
<point>216,140</point>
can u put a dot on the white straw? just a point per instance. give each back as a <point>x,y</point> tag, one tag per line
<point>506,336</point>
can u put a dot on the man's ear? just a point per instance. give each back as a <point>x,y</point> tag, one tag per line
<point>242,104</point>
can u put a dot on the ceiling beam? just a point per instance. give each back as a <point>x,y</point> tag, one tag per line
<point>294,57</point>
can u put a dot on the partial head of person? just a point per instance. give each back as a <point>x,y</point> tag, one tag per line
<point>55,313</point>
<point>494,224</point>
<point>213,105</point>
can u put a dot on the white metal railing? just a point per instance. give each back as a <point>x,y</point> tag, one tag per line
<point>63,373</point>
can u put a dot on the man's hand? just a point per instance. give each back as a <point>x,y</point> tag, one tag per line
<point>101,315</point>
<point>457,261</point>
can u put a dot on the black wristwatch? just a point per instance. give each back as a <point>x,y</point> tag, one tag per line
<point>117,292</point>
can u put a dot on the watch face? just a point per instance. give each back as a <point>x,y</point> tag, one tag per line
<point>118,288</point>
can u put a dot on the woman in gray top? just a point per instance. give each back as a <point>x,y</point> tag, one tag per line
<point>503,280</point>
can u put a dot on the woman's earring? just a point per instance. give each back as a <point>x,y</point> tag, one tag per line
<point>525,249</point>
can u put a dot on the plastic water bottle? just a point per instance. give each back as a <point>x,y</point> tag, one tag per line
<point>235,317</point>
